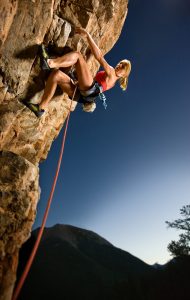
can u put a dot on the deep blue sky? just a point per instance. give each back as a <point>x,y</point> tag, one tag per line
<point>126,170</point>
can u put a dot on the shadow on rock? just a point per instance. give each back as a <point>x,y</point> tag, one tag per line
<point>28,52</point>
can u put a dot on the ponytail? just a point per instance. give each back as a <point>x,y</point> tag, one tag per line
<point>123,81</point>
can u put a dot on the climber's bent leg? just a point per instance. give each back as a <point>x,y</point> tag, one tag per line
<point>57,77</point>
<point>85,79</point>
<point>49,90</point>
<point>64,61</point>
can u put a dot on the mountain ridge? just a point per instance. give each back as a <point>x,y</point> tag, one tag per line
<point>79,263</point>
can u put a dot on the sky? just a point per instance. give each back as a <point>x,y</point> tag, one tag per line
<point>126,170</point>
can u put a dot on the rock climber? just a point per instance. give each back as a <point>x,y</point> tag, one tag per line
<point>88,88</point>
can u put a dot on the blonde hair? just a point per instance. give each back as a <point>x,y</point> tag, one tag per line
<point>89,107</point>
<point>123,81</point>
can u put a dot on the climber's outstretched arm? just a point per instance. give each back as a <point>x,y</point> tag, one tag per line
<point>95,50</point>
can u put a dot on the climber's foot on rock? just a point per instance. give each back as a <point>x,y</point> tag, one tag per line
<point>35,108</point>
<point>43,58</point>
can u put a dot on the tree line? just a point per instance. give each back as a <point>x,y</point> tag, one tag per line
<point>181,247</point>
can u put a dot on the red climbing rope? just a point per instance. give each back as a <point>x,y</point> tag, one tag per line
<point>35,248</point>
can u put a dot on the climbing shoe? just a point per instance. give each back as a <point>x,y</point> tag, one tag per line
<point>35,108</point>
<point>43,58</point>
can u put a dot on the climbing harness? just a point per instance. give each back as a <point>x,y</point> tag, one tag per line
<point>37,242</point>
<point>90,95</point>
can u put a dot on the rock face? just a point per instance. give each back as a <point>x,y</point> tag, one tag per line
<point>19,195</point>
<point>24,139</point>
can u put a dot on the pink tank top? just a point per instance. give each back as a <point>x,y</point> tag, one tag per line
<point>100,78</point>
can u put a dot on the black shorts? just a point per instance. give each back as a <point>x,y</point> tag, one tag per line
<point>91,94</point>
<point>88,96</point>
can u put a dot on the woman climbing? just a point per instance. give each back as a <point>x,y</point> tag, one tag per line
<point>88,88</point>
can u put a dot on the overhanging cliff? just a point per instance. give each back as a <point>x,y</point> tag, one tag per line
<point>24,139</point>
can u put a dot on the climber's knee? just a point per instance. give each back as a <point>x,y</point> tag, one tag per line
<point>56,75</point>
<point>79,56</point>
